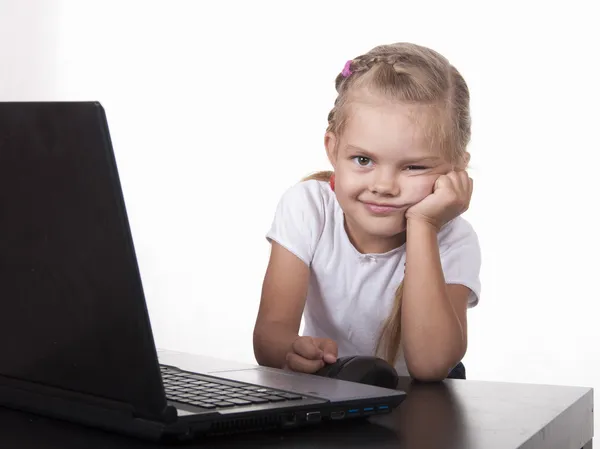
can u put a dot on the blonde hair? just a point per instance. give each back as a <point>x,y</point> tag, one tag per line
<point>414,75</point>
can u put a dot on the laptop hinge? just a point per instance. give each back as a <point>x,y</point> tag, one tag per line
<point>19,393</point>
<point>168,414</point>
<point>13,388</point>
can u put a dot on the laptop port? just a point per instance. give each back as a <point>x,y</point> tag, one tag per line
<point>288,420</point>
<point>369,410</point>
<point>313,416</point>
<point>383,408</point>
<point>338,415</point>
<point>353,412</point>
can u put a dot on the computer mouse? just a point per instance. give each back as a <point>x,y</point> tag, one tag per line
<point>368,370</point>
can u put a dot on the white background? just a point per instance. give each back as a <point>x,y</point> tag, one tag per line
<point>216,108</point>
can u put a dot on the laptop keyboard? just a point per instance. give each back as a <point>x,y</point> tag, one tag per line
<point>212,393</point>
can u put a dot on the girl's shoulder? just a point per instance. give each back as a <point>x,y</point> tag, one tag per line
<point>302,213</point>
<point>310,188</point>
<point>311,197</point>
<point>457,232</point>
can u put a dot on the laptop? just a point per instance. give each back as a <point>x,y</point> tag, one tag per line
<point>75,336</point>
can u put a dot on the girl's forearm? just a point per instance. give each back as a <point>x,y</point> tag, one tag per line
<point>271,344</point>
<point>432,336</point>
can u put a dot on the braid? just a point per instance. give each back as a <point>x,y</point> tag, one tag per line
<point>360,65</point>
<point>425,76</point>
<point>364,63</point>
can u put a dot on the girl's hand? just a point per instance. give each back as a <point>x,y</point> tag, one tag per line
<point>309,354</point>
<point>450,198</point>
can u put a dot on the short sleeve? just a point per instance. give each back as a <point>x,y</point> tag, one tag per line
<point>460,255</point>
<point>299,220</point>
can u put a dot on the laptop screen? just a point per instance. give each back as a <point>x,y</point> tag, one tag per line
<point>72,310</point>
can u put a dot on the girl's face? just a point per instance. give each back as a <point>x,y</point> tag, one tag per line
<point>382,167</point>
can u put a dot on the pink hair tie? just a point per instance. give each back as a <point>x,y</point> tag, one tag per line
<point>347,72</point>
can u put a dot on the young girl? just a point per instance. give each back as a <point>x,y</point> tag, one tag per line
<point>375,253</point>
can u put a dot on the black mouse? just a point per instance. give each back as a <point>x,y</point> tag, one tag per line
<point>362,369</point>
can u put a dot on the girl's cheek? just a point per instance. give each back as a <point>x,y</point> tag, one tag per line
<point>419,188</point>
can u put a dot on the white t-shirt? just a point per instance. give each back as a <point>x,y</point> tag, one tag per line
<point>351,294</point>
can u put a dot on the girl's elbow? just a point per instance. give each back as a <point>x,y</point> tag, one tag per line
<point>430,369</point>
<point>427,374</point>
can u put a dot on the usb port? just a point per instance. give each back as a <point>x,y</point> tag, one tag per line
<point>368,410</point>
<point>353,411</point>
<point>383,408</point>
<point>338,415</point>
<point>313,416</point>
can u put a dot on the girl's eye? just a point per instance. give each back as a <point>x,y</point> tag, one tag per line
<point>416,167</point>
<point>362,161</point>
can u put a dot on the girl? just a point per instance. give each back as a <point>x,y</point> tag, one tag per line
<point>375,253</point>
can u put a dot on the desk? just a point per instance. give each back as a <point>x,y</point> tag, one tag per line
<point>455,414</point>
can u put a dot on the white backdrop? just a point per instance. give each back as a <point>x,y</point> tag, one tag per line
<point>216,108</point>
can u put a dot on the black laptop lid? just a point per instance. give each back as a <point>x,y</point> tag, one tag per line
<point>72,309</point>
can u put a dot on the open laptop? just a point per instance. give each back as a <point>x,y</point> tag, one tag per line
<point>75,335</point>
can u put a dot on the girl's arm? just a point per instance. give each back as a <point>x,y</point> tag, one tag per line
<point>434,314</point>
<point>282,302</point>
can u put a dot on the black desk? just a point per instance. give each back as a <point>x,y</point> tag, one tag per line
<point>455,414</point>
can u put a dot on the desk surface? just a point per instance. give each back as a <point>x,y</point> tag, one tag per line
<point>455,414</point>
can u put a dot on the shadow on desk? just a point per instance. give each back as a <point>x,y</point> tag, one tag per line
<point>430,417</point>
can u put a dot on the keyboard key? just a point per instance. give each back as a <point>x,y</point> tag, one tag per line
<point>255,400</point>
<point>203,404</point>
<point>228,383</point>
<point>195,377</point>
<point>291,396</point>
<point>253,388</point>
<point>224,404</point>
<point>237,401</point>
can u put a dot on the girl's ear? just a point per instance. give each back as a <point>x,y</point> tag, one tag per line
<point>462,164</point>
<point>466,160</point>
<point>331,147</point>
